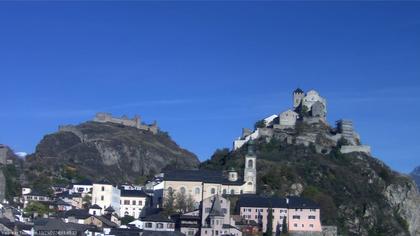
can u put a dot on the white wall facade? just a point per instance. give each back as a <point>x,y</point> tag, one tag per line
<point>106,195</point>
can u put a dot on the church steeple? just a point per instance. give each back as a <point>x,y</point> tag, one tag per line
<point>250,171</point>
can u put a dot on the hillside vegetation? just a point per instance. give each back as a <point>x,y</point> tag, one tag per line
<point>356,192</point>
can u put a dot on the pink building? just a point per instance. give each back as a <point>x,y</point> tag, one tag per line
<point>300,214</point>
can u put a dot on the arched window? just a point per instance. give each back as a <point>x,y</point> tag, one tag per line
<point>170,189</point>
<point>126,213</point>
<point>249,183</point>
<point>183,191</point>
<point>213,191</point>
<point>250,164</point>
<point>224,191</point>
<point>197,190</point>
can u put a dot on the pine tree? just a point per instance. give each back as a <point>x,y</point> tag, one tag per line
<point>269,231</point>
<point>284,226</point>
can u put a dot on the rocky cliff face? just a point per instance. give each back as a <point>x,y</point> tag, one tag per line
<point>356,192</point>
<point>104,151</point>
<point>415,174</point>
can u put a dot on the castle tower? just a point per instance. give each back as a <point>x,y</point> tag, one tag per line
<point>250,172</point>
<point>298,95</point>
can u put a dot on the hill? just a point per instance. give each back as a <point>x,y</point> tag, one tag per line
<point>98,151</point>
<point>357,192</point>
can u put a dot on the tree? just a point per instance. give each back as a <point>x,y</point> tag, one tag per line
<point>259,124</point>
<point>284,229</point>
<point>269,231</point>
<point>184,203</point>
<point>36,208</point>
<point>169,202</point>
<point>127,219</point>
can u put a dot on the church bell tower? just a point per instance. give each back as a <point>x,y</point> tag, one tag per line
<point>250,172</point>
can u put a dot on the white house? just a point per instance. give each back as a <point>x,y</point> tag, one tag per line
<point>83,187</point>
<point>132,202</point>
<point>104,194</point>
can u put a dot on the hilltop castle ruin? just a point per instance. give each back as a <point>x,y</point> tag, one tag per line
<point>124,120</point>
<point>309,108</point>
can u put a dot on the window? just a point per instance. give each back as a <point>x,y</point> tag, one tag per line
<point>249,183</point>
<point>182,189</point>
<point>224,191</point>
<point>311,217</point>
<point>133,202</point>
<point>140,203</point>
<point>148,225</point>
<point>232,191</point>
<point>250,164</point>
<point>190,233</point>
<point>170,225</point>
<point>314,210</point>
<point>159,225</point>
<point>224,210</point>
<point>102,197</point>
<point>295,225</point>
<point>295,217</point>
<point>126,213</point>
<point>311,225</point>
<point>103,188</point>
<point>213,191</point>
<point>126,202</point>
<point>197,190</point>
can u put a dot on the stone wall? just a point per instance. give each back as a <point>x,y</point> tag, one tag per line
<point>3,154</point>
<point>135,122</point>
<point>361,148</point>
<point>74,130</point>
<point>2,186</point>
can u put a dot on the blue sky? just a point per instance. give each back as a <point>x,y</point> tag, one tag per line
<point>204,70</point>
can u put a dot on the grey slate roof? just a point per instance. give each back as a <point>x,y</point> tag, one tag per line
<point>303,203</point>
<point>133,193</point>
<point>276,202</point>
<point>259,201</point>
<point>156,218</point>
<point>96,206</point>
<point>206,176</point>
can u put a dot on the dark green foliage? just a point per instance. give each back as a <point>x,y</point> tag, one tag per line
<point>13,188</point>
<point>259,124</point>
<point>333,181</point>
<point>37,208</point>
<point>269,231</point>
<point>127,219</point>
<point>284,228</point>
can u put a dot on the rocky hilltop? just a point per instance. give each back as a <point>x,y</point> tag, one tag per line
<point>104,150</point>
<point>415,174</point>
<point>299,153</point>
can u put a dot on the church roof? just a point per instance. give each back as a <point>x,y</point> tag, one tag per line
<point>206,176</point>
<point>298,90</point>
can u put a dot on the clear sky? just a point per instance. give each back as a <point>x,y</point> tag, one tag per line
<point>204,70</point>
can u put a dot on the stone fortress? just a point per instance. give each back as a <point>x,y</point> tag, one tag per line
<point>102,117</point>
<point>310,109</point>
<point>124,120</point>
